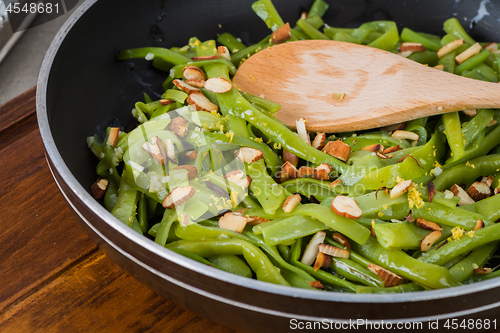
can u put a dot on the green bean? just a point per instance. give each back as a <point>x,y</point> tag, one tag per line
<point>404,288</point>
<point>472,62</point>
<point>165,54</point>
<point>268,13</point>
<point>269,194</point>
<point>126,204</point>
<point>355,272</point>
<point>318,8</point>
<point>452,26</point>
<point>231,42</point>
<point>291,228</point>
<point>464,269</point>
<point>453,132</point>
<point>311,31</point>
<point>408,35</point>
<point>232,264</point>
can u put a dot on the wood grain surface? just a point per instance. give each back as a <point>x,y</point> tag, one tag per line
<point>53,277</point>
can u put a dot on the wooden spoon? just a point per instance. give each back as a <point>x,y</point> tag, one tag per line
<point>379,88</point>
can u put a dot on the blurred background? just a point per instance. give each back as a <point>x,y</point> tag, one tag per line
<point>19,67</point>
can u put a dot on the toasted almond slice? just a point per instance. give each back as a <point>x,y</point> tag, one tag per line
<point>201,103</point>
<point>382,156</point>
<point>322,172</point>
<point>465,199</point>
<point>391,149</point>
<point>483,270</point>
<point>322,261</point>
<point>249,155</point>
<point>302,131</point>
<point>449,47</point>
<point>179,126</point>
<point>282,34</point>
<point>400,188</point>
<point>212,57</point>
<point>304,15</point>
<point>392,128</point>
<point>191,155</point>
<point>497,190</point>
<point>413,47</point>
<point>338,149</point>
<point>291,158</point>
<point>336,182</point>
<point>316,284</point>
<point>404,54</point>
<point>155,149</point>
<point>492,47</point>
<point>166,101</point>
<point>113,136</point>
<point>232,221</point>
<point>254,220</point>
<point>291,202</point>
<point>218,85</point>
<point>234,176</point>
<point>479,224</point>
<point>193,72</point>
<point>374,148</point>
<point>341,239</point>
<point>99,188</point>
<point>191,169</point>
<point>470,52</point>
<point>488,180</point>
<point>479,191</point>
<point>334,251</point>
<point>223,51</point>
<point>470,112</point>
<point>347,207</point>
<point>431,190</point>
<point>388,278</point>
<point>305,171</point>
<point>405,135</point>
<point>319,141</point>
<point>195,83</point>
<point>439,67</point>
<point>312,249</point>
<point>429,240</point>
<point>427,225</point>
<point>170,150</point>
<point>492,122</point>
<point>282,176</point>
<point>185,87</point>
<point>244,182</point>
<point>178,196</point>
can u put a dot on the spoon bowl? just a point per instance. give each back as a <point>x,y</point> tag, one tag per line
<point>339,86</point>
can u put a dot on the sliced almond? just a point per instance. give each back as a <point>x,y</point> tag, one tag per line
<point>413,47</point>
<point>178,196</point>
<point>249,155</point>
<point>336,182</point>
<point>232,221</point>
<point>497,190</point>
<point>319,141</point>
<point>404,54</point>
<point>374,148</point>
<point>431,190</point>
<point>302,131</point>
<point>465,199</point>
<point>488,180</point>
<point>218,85</point>
<point>212,57</point>
<point>185,87</point>
<point>195,83</point>
<point>291,202</point>
<point>282,176</point>
<point>427,225</point>
<point>322,261</point>
<point>254,220</point>
<point>392,128</point>
<point>179,126</point>
<point>483,270</point>
<point>234,176</point>
<point>291,158</point>
<point>191,169</point>
<point>223,51</point>
<point>492,47</point>
<point>439,67</point>
<point>282,34</point>
<point>113,136</point>
<point>493,122</point>
<point>193,72</point>
<point>312,249</point>
<point>479,224</point>
<point>304,15</point>
<point>470,52</point>
<point>400,188</point>
<point>347,207</point>
<point>166,101</point>
<point>305,171</point>
<point>244,182</point>
<point>479,191</point>
<point>339,238</point>
<point>470,112</point>
<point>191,155</point>
<point>429,240</point>
<point>201,103</point>
<point>405,135</point>
<point>99,188</point>
<point>338,149</point>
<point>322,171</point>
<point>316,284</point>
<point>156,150</point>
<point>170,150</point>
<point>388,278</point>
<point>449,47</point>
<point>382,156</point>
<point>334,251</point>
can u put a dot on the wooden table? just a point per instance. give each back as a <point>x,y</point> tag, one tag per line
<point>53,278</point>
